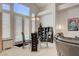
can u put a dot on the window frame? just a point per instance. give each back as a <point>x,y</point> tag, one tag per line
<point>21,11</point>
<point>9,23</point>
<point>4,9</point>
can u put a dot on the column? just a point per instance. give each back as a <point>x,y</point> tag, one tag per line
<point>30,23</point>
<point>12,22</point>
<point>1,46</point>
<point>53,9</point>
<point>37,22</point>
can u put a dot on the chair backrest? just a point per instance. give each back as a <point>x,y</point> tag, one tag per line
<point>66,49</point>
<point>23,36</point>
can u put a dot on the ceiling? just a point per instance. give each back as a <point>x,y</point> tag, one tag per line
<point>40,6</point>
<point>44,5</point>
<point>58,4</point>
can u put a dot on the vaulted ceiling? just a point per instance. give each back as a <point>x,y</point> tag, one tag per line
<point>40,6</point>
<point>37,6</point>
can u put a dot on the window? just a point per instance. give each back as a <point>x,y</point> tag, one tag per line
<point>26,28</point>
<point>6,7</point>
<point>6,25</point>
<point>24,10</point>
<point>33,15</point>
<point>18,28</point>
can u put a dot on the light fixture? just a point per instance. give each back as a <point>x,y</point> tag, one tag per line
<point>37,18</point>
<point>59,28</point>
<point>33,18</point>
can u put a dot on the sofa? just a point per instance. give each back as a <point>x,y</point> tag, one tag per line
<point>67,46</point>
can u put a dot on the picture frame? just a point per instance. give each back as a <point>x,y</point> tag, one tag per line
<point>73,24</point>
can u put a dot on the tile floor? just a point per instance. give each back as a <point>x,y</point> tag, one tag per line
<point>43,51</point>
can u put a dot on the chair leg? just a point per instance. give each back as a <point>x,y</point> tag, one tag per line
<point>39,42</point>
<point>47,44</point>
<point>23,46</point>
<point>40,45</point>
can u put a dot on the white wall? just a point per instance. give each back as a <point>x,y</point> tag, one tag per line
<point>46,20</point>
<point>62,18</point>
<point>47,17</point>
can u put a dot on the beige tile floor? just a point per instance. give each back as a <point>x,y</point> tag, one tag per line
<point>43,51</point>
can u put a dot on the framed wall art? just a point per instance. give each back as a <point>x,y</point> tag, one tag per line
<point>73,24</point>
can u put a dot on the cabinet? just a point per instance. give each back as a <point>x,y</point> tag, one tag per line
<point>34,41</point>
<point>8,43</point>
<point>45,34</point>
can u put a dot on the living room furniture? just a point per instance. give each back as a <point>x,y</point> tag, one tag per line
<point>45,34</point>
<point>7,43</point>
<point>34,46</point>
<point>23,43</point>
<point>23,38</point>
<point>67,46</point>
